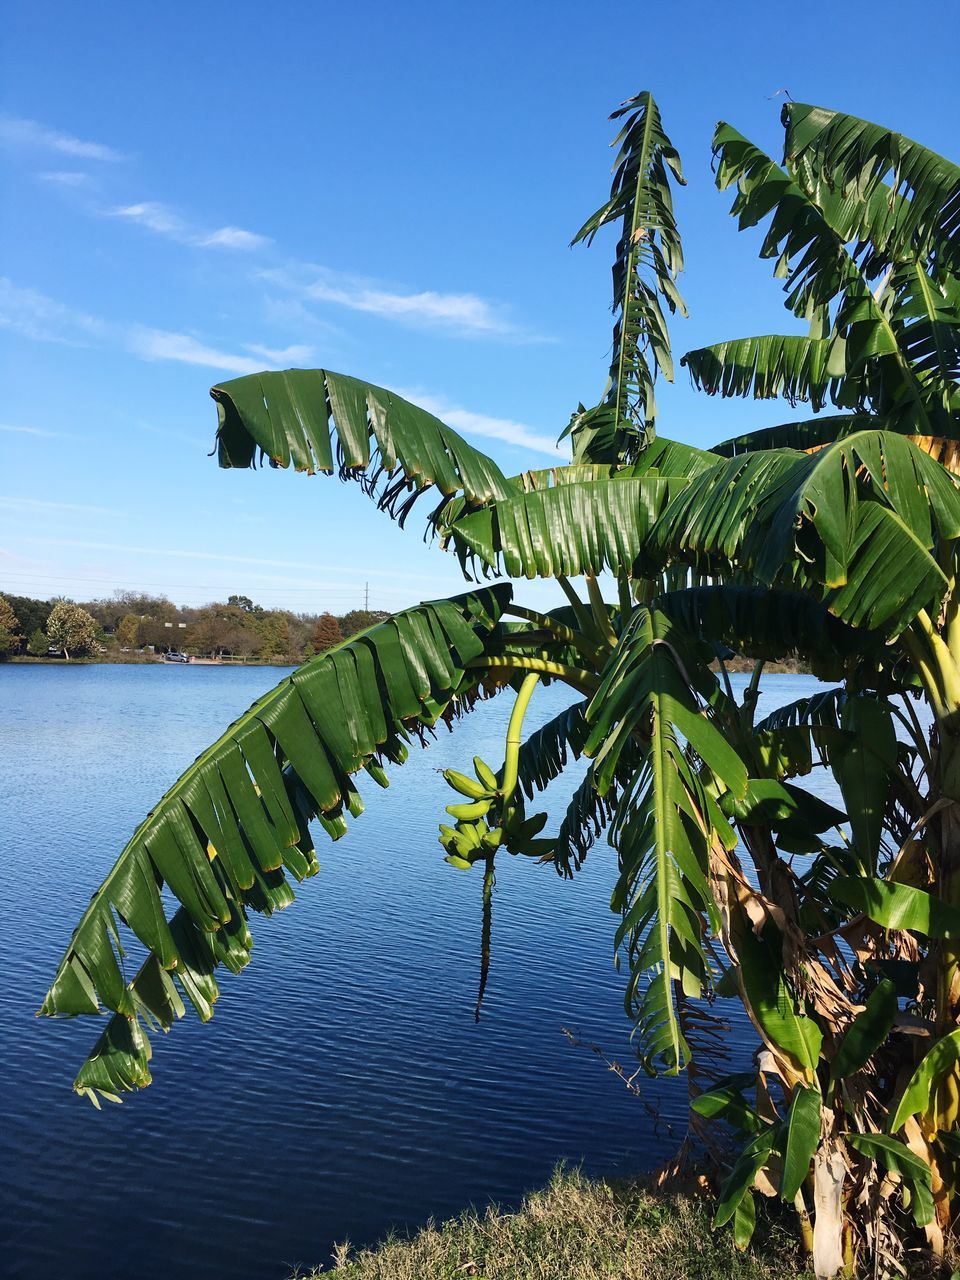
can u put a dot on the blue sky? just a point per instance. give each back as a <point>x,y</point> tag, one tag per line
<point>195,191</point>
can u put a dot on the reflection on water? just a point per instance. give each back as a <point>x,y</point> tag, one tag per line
<point>343,1087</point>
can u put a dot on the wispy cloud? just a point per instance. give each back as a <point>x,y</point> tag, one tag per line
<point>42,504</point>
<point>164,221</point>
<point>29,431</point>
<point>154,216</point>
<point>234,238</point>
<point>159,344</point>
<point>298,353</point>
<point>33,314</point>
<point>16,131</point>
<point>66,178</point>
<point>482,424</point>
<point>464,314</point>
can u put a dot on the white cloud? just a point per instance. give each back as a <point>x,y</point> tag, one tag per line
<point>298,353</point>
<point>463,314</point>
<point>164,221</point>
<point>33,314</point>
<point>42,504</point>
<point>157,217</point>
<point>233,238</point>
<point>19,132</point>
<point>159,344</point>
<point>66,178</point>
<point>482,424</point>
<point>28,431</point>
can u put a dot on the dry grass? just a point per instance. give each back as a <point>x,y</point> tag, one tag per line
<point>577,1229</point>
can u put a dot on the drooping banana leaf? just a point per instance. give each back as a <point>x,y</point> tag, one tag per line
<point>589,811</point>
<point>222,836</point>
<point>898,906</point>
<point>545,753</point>
<point>832,522</point>
<point>809,255</point>
<point>925,318</point>
<point>812,434</point>
<point>543,757</point>
<point>647,704</point>
<point>322,421</point>
<point>802,1137</point>
<point>823,280</point>
<point>854,156</point>
<point>808,435</point>
<point>661,458</point>
<point>568,530</point>
<point>771,366</point>
<point>936,1062</point>
<point>762,623</point>
<point>897,1157</point>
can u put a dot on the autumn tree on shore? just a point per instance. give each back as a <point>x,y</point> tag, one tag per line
<point>327,633</point>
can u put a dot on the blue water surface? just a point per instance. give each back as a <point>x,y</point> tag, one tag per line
<point>343,1088</point>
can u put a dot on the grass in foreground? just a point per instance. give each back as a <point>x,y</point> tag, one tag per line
<point>578,1229</point>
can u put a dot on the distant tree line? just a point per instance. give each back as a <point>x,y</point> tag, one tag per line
<point>130,622</point>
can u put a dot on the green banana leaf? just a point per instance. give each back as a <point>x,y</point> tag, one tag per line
<point>939,1059</point>
<point>645,703</point>
<point>768,624</point>
<point>743,1174</point>
<point>779,1013</point>
<point>803,1135</point>
<point>863,761</point>
<point>897,906</point>
<point>322,421</point>
<point>223,835</point>
<point>568,530</point>
<point>867,1032</point>
<point>810,234</point>
<point>770,366</point>
<point>830,523</point>
<point>812,433</point>
<point>854,156</point>
<point>724,1101</point>
<point>649,258</point>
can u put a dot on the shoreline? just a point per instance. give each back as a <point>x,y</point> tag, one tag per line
<point>24,659</point>
<point>737,667</point>
<point>578,1228</point>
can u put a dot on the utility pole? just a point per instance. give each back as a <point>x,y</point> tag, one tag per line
<point>366,596</point>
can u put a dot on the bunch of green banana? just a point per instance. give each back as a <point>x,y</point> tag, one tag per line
<point>488,819</point>
<point>472,839</point>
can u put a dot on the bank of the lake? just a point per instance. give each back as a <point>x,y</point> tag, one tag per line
<point>136,660</point>
<point>578,1228</point>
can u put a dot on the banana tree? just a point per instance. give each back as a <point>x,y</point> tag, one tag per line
<point>836,539</point>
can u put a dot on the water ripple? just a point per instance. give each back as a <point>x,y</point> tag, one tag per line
<point>343,1087</point>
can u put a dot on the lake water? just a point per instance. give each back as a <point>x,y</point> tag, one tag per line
<point>343,1087</point>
